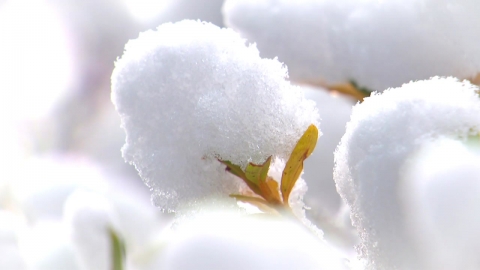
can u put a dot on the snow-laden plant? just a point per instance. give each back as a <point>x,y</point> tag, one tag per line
<point>208,121</point>
<point>63,213</point>
<point>191,95</point>
<point>379,154</point>
<point>378,44</point>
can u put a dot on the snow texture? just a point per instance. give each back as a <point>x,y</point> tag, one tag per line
<point>379,44</point>
<point>189,93</point>
<point>441,196</point>
<point>246,243</point>
<point>383,132</point>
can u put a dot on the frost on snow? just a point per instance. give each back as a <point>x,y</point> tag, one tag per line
<point>189,93</point>
<point>379,44</point>
<point>383,132</point>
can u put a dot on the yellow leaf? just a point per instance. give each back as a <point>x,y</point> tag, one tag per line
<point>351,89</point>
<point>294,166</point>
<point>269,189</point>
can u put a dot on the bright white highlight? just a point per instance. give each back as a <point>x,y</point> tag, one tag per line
<point>145,10</point>
<point>35,59</point>
<point>226,241</point>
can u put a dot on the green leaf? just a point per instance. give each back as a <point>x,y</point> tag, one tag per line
<point>363,90</point>
<point>258,173</point>
<point>233,169</point>
<point>118,251</point>
<point>294,166</point>
<point>237,171</point>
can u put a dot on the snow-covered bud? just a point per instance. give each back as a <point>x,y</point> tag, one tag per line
<point>89,218</point>
<point>378,44</point>
<point>384,131</point>
<point>100,224</point>
<point>189,93</point>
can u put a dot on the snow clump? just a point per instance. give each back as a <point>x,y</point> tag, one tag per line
<point>191,92</point>
<point>384,131</point>
<point>246,243</point>
<point>441,184</point>
<point>378,44</point>
<point>91,218</point>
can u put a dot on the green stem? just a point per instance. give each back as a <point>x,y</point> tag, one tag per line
<point>118,251</point>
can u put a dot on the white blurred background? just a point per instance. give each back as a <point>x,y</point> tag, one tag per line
<point>56,58</point>
<point>60,135</point>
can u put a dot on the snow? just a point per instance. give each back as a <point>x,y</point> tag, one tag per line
<point>325,207</point>
<point>226,241</point>
<point>11,226</point>
<point>189,93</point>
<point>441,187</point>
<point>378,44</point>
<point>46,245</point>
<point>335,112</point>
<point>383,132</point>
<point>43,184</point>
<point>88,217</point>
<point>91,216</point>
